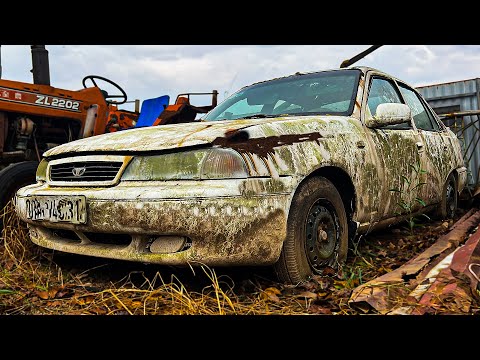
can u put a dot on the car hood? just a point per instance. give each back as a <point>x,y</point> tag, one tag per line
<point>166,137</point>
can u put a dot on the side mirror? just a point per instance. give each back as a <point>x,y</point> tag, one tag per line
<point>389,114</point>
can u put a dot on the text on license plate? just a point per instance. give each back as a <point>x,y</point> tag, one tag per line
<point>70,209</point>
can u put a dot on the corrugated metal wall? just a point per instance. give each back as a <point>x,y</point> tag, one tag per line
<point>454,97</point>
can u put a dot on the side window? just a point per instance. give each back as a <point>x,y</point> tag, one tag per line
<point>381,91</point>
<point>421,116</point>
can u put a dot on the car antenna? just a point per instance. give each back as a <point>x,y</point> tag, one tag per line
<point>357,57</point>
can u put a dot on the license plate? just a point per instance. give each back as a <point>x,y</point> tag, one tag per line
<point>71,209</point>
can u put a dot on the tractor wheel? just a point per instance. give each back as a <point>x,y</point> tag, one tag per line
<point>12,178</point>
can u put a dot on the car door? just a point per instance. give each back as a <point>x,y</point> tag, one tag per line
<point>436,145</point>
<point>398,150</point>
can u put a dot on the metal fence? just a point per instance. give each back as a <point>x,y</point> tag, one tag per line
<point>457,104</point>
<point>466,125</point>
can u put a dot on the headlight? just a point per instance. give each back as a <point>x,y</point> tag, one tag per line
<point>188,165</point>
<point>41,174</point>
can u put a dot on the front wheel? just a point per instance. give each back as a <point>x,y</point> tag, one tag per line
<point>317,232</point>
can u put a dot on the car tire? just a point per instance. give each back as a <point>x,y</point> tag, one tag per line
<point>12,178</point>
<point>317,233</point>
<point>449,201</point>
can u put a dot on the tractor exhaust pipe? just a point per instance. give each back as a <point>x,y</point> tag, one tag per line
<point>40,65</point>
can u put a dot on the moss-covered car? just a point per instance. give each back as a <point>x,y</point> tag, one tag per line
<point>284,172</point>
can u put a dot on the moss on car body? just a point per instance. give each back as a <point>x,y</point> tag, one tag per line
<point>220,191</point>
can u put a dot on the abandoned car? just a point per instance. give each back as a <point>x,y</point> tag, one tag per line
<point>284,173</point>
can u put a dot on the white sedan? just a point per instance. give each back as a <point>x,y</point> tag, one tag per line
<point>283,172</point>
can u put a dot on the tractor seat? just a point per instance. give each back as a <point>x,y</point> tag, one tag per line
<point>151,109</point>
<point>180,112</point>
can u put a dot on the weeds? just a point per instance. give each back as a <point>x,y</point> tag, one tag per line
<point>354,278</point>
<point>408,203</point>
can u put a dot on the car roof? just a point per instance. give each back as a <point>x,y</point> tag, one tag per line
<point>363,69</point>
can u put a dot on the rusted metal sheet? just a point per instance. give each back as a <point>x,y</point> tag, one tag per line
<point>454,286</point>
<point>450,286</point>
<point>385,292</point>
<point>465,216</point>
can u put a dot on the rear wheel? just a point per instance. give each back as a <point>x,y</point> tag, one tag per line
<point>12,178</point>
<point>449,202</point>
<point>317,235</point>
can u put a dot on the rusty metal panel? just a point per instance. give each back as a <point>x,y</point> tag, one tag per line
<point>460,96</point>
<point>393,290</point>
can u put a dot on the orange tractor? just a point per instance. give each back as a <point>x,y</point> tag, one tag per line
<point>36,117</point>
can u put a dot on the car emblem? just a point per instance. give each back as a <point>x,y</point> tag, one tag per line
<point>77,172</point>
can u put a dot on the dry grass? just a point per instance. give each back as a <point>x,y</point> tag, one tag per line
<point>32,283</point>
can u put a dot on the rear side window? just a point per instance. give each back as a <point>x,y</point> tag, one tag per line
<point>421,116</point>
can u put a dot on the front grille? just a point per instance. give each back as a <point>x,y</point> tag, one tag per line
<point>85,171</point>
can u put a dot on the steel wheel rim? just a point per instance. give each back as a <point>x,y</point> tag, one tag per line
<point>451,199</point>
<point>321,234</point>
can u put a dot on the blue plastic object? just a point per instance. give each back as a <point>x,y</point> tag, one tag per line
<point>151,109</point>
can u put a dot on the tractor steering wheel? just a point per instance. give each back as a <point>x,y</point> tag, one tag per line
<point>123,96</point>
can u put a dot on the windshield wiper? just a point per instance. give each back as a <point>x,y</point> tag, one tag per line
<point>261,116</point>
<point>254,116</point>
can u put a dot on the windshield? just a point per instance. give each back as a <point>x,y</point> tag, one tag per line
<point>328,92</point>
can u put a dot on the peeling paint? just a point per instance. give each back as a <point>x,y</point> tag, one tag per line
<point>263,147</point>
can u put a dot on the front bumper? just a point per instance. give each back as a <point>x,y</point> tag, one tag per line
<point>224,222</point>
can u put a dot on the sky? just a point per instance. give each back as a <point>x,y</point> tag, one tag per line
<point>147,71</point>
